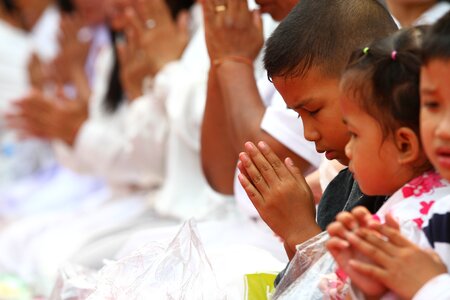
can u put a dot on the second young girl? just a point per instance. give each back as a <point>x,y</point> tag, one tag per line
<point>381,108</point>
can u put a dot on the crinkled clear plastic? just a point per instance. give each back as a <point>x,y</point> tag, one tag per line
<point>178,271</point>
<point>312,274</point>
<point>74,283</point>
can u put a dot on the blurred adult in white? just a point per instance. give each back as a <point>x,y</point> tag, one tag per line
<point>122,139</point>
<point>275,121</point>
<point>25,26</point>
<point>54,187</point>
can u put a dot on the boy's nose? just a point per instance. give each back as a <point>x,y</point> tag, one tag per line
<point>310,133</point>
<point>348,151</point>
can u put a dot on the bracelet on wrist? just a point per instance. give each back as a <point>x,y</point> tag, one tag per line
<point>233,58</point>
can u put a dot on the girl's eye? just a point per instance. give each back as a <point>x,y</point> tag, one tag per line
<point>352,134</point>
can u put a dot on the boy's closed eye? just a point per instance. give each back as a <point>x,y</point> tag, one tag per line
<point>430,104</point>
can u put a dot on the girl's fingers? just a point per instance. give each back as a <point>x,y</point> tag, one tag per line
<point>369,270</point>
<point>394,235</point>
<point>362,216</point>
<point>337,229</point>
<point>366,248</point>
<point>348,220</point>
<point>335,244</point>
<point>392,222</point>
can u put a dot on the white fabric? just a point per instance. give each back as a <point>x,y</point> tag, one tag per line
<point>185,192</point>
<point>18,158</point>
<point>430,16</point>
<point>44,34</point>
<point>433,14</point>
<point>126,147</point>
<point>436,288</point>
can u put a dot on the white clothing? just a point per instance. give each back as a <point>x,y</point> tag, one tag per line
<point>433,14</point>
<point>18,158</point>
<point>125,148</point>
<point>430,16</point>
<point>185,192</point>
<point>44,35</point>
<point>436,288</point>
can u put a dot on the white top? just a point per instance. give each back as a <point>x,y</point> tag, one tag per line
<point>44,34</point>
<point>433,14</point>
<point>436,288</point>
<point>18,159</point>
<point>125,147</point>
<point>430,16</point>
<point>185,192</point>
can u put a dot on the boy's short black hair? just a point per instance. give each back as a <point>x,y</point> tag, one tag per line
<point>323,33</point>
<point>437,42</point>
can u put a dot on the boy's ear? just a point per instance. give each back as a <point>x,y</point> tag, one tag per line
<point>408,145</point>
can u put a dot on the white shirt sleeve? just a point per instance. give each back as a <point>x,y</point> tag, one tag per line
<point>436,288</point>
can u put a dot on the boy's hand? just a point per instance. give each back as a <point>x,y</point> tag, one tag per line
<point>399,264</point>
<point>279,192</point>
<point>342,252</point>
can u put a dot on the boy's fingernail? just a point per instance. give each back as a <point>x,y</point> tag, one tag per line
<point>290,162</point>
<point>250,147</point>
<point>263,146</point>
<point>244,157</point>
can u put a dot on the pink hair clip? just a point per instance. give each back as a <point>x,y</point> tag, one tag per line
<point>394,55</point>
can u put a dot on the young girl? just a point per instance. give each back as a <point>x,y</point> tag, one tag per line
<point>381,110</point>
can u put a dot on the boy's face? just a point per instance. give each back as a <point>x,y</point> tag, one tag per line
<point>315,97</point>
<point>435,114</point>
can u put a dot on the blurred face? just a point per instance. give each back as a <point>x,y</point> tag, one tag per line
<point>435,114</point>
<point>278,9</point>
<point>373,158</point>
<point>315,98</point>
<point>116,13</point>
<point>91,11</point>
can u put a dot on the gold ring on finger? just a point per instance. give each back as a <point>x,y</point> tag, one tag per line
<point>220,8</point>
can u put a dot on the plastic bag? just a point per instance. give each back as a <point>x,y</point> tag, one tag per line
<point>312,274</point>
<point>74,283</point>
<point>178,271</point>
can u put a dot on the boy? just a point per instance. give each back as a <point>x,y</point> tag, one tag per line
<point>304,57</point>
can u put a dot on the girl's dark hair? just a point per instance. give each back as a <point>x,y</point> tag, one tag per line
<point>385,77</point>
<point>115,93</point>
<point>437,41</point>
